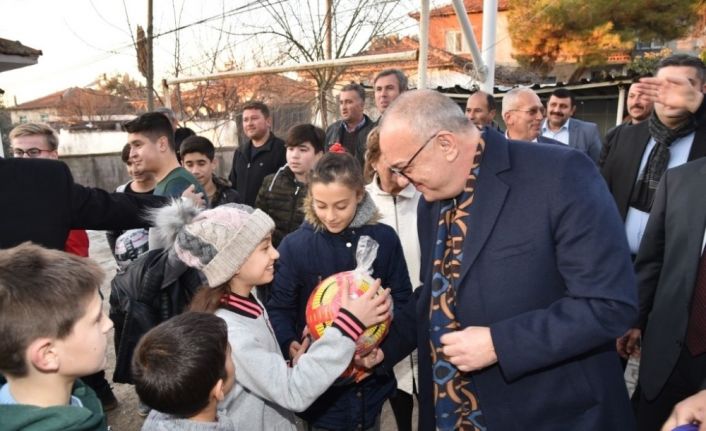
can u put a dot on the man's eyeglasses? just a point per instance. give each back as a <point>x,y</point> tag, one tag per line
<point>532,111</point>
<point>401,171</point>
<point>31,152</point>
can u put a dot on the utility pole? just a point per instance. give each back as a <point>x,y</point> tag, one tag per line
<point>328,52</point>
<point>150,59</point>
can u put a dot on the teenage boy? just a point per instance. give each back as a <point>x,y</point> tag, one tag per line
<point>40,141</point>
<point>198,156</point>
<point>50,338</point>
<point>152,150</point>
<point>183,369</point>
<point>282,194</point>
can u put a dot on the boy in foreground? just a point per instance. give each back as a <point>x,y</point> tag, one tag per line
<point>53,331</point>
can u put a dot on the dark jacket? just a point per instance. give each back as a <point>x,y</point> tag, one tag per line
<point>538,228</point>
<point>281,196</point>
<point>225,194</point>
<point>40,202</point>
<point>309,255</point>
<point>335,131</point>
<point>667,268</point>
<point>153,288</point>
<point>627,146</point>
<point>246,175</point>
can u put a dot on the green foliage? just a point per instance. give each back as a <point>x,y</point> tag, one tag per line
<point>121,85</point>
<point>645,64</point>
<point>544,32</point>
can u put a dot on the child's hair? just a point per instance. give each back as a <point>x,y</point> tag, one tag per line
<point>208,300</point>
<point>43,293</point>
<point>125,153</point>
<point>177,363</point>
<point>337,168</point>
<point>372,153</point>
<point>301,133</point>
<point>197,144</point>
<point>154,125</point>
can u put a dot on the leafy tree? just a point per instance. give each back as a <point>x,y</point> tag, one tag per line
<point>545,32</point>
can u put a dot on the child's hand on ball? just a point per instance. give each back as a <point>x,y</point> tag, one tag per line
<point>370,308</point>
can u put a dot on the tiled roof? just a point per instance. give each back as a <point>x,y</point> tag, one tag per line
<point>9,47</point>
<point>60,98</point>
<point>472,6</point>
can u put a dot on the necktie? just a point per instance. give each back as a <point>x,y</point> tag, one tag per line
<point>696,332</point>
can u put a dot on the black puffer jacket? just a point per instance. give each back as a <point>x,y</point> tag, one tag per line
<point>281,196</point>
<point>153,288</point>
<point>225,194</point>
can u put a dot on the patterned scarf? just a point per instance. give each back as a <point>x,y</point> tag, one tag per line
<point>455,400</point>
<point>644,192</point>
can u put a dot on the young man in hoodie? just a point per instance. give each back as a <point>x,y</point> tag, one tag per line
<point>50,337</point>
<point>282,194</point>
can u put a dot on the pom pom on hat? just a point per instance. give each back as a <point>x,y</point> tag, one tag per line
<point>337,148</point>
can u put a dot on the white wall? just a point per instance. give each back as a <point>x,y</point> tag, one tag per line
<point>223,134</point>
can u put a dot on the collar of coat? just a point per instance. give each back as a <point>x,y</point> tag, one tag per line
<point>366,213</point>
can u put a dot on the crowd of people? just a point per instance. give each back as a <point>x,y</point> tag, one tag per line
<point>520,261</point>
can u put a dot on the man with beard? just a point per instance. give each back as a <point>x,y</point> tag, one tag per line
<point>639,110</point>
<point>640,154</point>
<point>261,155</point>
<point>560,125</point>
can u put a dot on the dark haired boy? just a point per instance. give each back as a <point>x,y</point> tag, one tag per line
<point>198,156</point>
<point>282,194</point>
<point>183,369</point>
<point>53,331</point>
<point>153,150</point>
<point>262,154</point>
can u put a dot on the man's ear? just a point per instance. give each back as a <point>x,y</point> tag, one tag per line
<point>42,354</point>
<point>268,120</point>
<point>573,110</point>
<point>449,145</point>
<point>217,391</point>
<point>163,143</point>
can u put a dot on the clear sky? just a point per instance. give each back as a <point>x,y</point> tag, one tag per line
<point>82,39</point>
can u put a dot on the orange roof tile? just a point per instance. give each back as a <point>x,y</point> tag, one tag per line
<point>472,6</point>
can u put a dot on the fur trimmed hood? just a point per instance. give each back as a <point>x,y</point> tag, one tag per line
<point>366,213</point>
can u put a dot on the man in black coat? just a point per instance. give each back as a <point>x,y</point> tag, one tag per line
<point>640,154</point>
<point>261,155</point>
<point>671,270</point>
<point>40,202</point>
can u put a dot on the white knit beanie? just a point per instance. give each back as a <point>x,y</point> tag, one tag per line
<point>218,241</point>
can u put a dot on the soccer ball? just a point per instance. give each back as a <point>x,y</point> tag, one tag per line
<point>325,301</point>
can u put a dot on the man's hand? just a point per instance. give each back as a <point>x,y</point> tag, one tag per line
<point>692,409</point>
<point>672,91</point>
<point>629,344</point>
<point>196,198</point>
<point>470,349</point>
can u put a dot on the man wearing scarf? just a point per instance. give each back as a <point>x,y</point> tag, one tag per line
<point>526,275</point>
<point>671,272</point>
<point>669,138</point>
